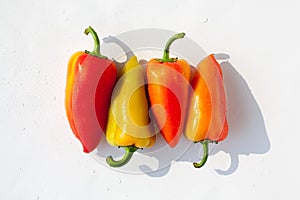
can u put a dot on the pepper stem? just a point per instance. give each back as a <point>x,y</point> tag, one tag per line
<point>127,156</point>
<point>205,154</point>
<point>96,51</point>
<point>166,56</point>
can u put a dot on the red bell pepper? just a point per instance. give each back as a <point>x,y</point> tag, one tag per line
<point>90,81</point>
<point>168,83</point>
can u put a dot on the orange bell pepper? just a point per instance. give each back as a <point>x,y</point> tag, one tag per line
<point>206,119</point>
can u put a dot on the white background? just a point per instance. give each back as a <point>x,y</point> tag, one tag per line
<point>40,157</point>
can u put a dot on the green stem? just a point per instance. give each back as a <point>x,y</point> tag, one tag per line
<point>166,56</point>
<point>127,156</point>
<point>96,51</point>
<point>205,154</point>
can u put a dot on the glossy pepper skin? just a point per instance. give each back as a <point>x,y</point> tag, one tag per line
<point>90,81</point>
<point>206,120</point>
<point>168,83</point>
<point>128,112</point>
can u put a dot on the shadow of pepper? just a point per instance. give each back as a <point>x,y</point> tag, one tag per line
<point>125,49</point>
<point>247,133</point>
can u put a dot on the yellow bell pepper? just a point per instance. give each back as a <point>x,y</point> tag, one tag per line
<point>128,119</point>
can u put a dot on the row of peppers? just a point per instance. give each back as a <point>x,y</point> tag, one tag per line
<point>194,105</point>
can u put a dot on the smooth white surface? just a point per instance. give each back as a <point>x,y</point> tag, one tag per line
<point>41,159</point>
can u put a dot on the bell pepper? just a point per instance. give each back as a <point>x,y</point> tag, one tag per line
<point>206,120</point>
<point>90,81</point>
<point>168,83</point>
<point>128,114</point>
